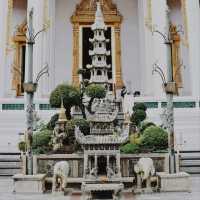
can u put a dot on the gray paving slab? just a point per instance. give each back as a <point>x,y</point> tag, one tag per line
<point>6,187</point>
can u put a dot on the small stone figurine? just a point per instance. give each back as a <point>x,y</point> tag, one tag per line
<point>59,130</point>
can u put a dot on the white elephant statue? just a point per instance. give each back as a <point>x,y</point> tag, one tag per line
<point>60,175</point>
<point>145,168</point>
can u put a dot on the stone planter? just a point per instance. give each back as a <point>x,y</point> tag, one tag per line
<point>29,183</point>
<point>179,182</point>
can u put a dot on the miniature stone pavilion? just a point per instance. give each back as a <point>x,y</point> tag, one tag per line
<point>102,176</point>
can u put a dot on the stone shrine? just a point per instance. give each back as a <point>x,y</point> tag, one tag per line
<point>102,175</point>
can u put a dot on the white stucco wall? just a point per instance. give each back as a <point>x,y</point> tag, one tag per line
<point>63,40</point>
<point>130,43</point>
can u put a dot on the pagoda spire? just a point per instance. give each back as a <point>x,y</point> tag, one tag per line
<point>99,67</point>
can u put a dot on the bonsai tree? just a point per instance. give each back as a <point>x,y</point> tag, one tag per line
<point>139,114</point>
<point>71,97</point>
<point>94,91</point>
<point>139,106</point>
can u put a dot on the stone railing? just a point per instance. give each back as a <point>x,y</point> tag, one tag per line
<point>45,163</point>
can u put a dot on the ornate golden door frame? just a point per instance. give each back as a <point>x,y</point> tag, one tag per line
<point>84,15</point>
<point>19,40</point>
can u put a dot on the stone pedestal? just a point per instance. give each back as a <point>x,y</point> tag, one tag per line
<point>29,183</point>
<point>179,182</point>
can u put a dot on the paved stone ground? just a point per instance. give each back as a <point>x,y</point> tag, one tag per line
<point>6,186</point>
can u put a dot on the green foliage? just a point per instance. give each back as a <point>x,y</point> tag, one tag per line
<point>154,138</point>
<point>22,146</point>
<point>138,116</point>
<point>95,91</point>
<point>41,141</point>
<point>135,139</point>
<point>145,125</point>
<point>130,148</point>
<point>139,106</point>
<point>52,123</point>
<point>71,96</point>
<point>83,125</point>
<point>70,126</point>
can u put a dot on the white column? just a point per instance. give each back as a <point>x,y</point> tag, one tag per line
<point>159,15</point>
<point>52,30</point>
<point>38,51</point>
<point>3,31</point>
<point>146,45</point>
<point>193,19</point>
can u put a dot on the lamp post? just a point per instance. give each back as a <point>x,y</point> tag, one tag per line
<point>171,89</point>
<point>30,88</point>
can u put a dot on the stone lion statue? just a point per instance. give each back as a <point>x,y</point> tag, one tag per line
<point>60,175</point>
<point>145,168</point>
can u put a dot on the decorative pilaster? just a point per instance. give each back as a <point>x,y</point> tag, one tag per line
<point>148,18</point>
<point>75,76</point>
<point>9,23</point>
<point>185,22</point>
<point>118,69</point>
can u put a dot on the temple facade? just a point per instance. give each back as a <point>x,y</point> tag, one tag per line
<point>134,47</point>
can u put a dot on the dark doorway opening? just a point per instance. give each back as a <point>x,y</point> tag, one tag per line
<point>102,195</point>
<point>86,46</point>
<point>102,164</point>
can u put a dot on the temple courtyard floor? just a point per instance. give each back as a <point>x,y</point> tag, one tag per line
<point>6,187</point>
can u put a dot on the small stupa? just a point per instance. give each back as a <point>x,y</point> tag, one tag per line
<point>62,116</point>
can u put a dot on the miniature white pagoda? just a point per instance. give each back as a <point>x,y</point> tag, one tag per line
<point>99,67</point>
<point>102,173</point>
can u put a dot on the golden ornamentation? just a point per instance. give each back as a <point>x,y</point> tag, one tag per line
<point>19,40</point>
<point>185,21</point>
<point>148,18</point>
<point>9,23</point>
<point>176,65</point>
<point>84,15</point>
<point>46,20</point>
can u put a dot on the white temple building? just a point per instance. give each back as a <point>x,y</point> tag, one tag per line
<point>134,49</point>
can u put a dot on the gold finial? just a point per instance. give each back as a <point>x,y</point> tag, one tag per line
<point>62,116</point>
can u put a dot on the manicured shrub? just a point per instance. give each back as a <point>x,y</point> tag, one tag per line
<point>52,123</point>
<point>130,148</point>
<point>138,116</point>
<point>94,91</point>
<point>145,125</point>
<point>71,97</point>
<point>41,141</point>
<point>154,138</point>
<point>22,146</point>
<point>83,125</point>
<point>139,106</point>
<point>134,138</point>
